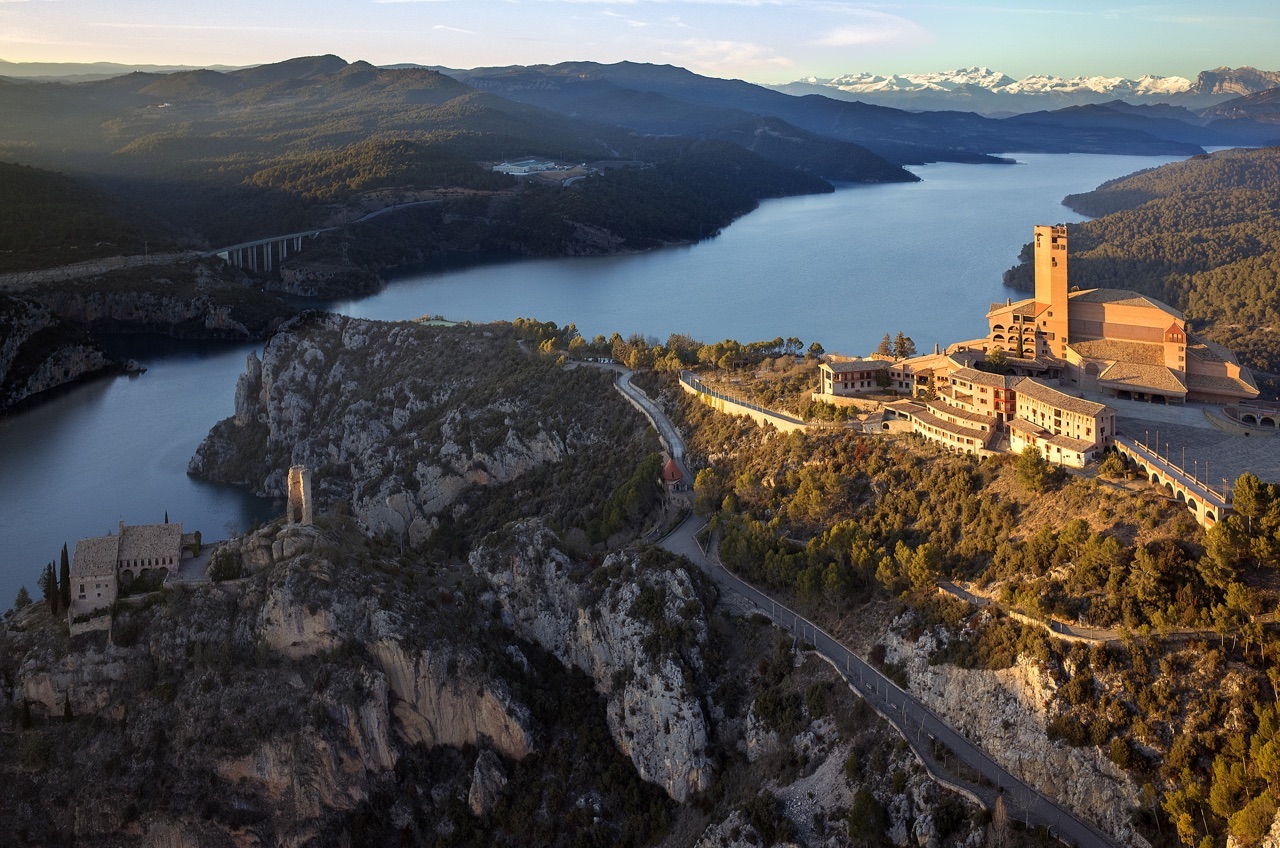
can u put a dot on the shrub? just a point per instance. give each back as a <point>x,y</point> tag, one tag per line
<point>224,566</point>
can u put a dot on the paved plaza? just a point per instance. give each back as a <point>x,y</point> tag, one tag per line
<point>1188,438</point>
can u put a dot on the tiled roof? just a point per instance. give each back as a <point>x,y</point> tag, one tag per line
<point>95,557</point>
<point>1143,353</point>
<point>1131,376</point>
<point>1018,307</point>
<point>925,417</point>
<point>1222,384</point>
<point>856,365</point>
<point>1053,397</point>
<point>1122,297</point>
<point>150,540</point>
<point>982,378</point>
<point>1035,431</point>
<point>943,409</point>
<point>1207,351</point>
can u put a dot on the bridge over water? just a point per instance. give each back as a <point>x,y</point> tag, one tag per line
<point>266,254</point>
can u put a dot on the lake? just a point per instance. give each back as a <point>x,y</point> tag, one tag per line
<point>841,269</point>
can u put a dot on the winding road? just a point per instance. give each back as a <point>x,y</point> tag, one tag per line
<point>919,726</point>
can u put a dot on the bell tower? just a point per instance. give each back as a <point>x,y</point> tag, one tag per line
<point>1051,286</point>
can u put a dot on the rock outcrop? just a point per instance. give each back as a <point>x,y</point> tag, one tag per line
<point>39,352</point>
<point>638,629</point>
<point>400,421</point>
<point>1007,710</point>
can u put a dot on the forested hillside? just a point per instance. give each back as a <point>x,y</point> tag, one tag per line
<point>52,219</point>
<point>1202,235</point>
<point>225,157</point>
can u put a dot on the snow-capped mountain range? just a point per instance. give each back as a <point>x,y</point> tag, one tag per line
<point>981,89</point>
<point>1000,83</point>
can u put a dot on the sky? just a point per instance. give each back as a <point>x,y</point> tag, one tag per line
<point>768,41</point>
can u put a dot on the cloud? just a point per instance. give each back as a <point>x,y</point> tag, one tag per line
<point>725,56</point>
<point>444,28</point>
<point>875,28</point>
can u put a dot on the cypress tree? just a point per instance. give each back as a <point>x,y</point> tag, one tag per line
<point>49,588</point>
<point>67,715</point>
<point>64,578</point>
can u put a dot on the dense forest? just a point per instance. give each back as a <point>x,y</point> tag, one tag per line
<point>1202,235</point>
<point>51,219</point>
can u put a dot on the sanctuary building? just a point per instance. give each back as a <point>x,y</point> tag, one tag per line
<point>1114,341</point>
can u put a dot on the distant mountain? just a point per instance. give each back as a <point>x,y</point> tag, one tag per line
<point>653,113</point>
<point>1162,120</point>
<point>1262,108</point>
<point>227,157</point>
<point>899,136</point>
<point>88,71</point>
<point>1002,83</point>
<point>1236,81</point>
<point>988,91</point>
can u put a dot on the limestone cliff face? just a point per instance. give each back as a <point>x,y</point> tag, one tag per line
<point>638,631</point>
<point>1006,712</point>
<point>132,311</point>
<point>400,421</point>
<point>297,688</point>
<point>437,694</point>
<point>39,352</point>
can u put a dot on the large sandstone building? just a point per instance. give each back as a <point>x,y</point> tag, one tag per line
<point>1114,341</point>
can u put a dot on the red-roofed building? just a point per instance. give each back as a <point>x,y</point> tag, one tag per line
<point>672,477</point>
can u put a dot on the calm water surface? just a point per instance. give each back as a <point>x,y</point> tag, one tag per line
<point>842,269</point>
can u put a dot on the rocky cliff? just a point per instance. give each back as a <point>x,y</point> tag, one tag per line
<point>39,352</point>
<point>636,627</point>
<point>193,300</point>
<point>1007,711</point>
<point>401,422</point>
<point>296,706</point>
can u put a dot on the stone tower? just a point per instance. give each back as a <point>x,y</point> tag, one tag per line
<point>299,510</point>
<point>1051,286</point>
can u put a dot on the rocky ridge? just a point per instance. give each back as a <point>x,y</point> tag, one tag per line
<point>401,421</point>
<point>288,700</point>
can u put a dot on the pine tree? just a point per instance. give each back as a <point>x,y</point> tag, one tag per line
<point>64,579</point>
<point>23,600</point>
<point>903,346</point>
<point>886,347</point>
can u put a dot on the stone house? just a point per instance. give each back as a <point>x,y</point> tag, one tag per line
<point>102,566</point>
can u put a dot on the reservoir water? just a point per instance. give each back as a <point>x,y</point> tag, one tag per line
<point>841,269</point>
